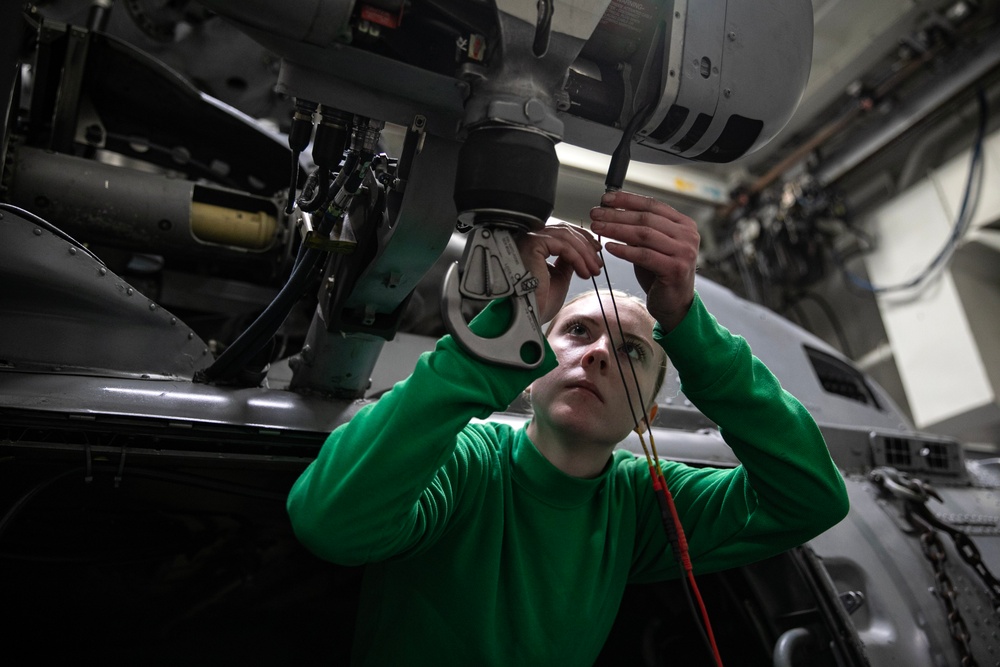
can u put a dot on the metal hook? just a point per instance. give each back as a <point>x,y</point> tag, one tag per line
<point>491,269</point>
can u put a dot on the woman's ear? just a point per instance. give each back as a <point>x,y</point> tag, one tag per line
<point>650,416</point>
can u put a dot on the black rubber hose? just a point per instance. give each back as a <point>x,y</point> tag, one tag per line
<point>243,349</point>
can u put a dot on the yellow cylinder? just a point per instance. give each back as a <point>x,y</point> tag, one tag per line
<point>232,227</point>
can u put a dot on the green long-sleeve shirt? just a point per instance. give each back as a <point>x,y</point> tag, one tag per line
<point>483,553</point>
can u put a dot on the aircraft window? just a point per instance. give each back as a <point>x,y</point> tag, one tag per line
<point>838,377</point>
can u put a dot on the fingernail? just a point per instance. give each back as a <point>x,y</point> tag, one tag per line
<point>608,198</point>
<point>597,225</point>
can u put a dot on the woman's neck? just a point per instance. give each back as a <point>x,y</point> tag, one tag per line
<point>573,455</point>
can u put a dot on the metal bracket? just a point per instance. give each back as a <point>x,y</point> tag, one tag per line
<point>491,268</point>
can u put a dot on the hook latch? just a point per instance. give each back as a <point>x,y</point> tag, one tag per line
<point>491,268</point>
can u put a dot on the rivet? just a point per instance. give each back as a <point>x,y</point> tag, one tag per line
<point>727,92</point>
<point>72,250</point>
<point>129,291</point>
<point>152,306</point>
<point>102,271</point>
<point>732,37</point>
<point>37,231</point>
<point>173,320</point>
<point>190,335</point>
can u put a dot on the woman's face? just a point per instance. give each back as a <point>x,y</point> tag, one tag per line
<point>584,396</point>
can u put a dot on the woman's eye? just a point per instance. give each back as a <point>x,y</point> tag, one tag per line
<point>634,351</point>
<point>576,329</point>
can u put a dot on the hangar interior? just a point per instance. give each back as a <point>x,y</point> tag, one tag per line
<point>871,220</point>
<point>143,511</point>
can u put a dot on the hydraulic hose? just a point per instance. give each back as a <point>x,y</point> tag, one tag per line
<point>235,358</point>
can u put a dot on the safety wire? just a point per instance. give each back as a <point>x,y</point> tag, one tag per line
<point>668,510</point>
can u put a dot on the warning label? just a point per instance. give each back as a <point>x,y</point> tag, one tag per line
<point>628,16</point>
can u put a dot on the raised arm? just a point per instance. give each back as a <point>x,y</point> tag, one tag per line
<point>787,489</point>
<point>391,479</point>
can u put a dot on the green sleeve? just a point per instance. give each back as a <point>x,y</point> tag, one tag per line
<point>787,489</point>
<point>389,479</point>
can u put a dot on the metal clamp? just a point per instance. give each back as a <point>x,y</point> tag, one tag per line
<point>491,268</point>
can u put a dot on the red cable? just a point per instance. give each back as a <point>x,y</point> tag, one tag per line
<point>660,488</point>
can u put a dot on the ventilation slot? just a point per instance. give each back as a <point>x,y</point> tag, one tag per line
<point>840,378</point>
<point>897,453</point>
<point>918,454</point>
<point>735,140</point>
<point>935,456</point>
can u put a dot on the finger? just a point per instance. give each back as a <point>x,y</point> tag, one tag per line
<point>601,217</point>
<point>567,243</point>
<point>673,266</point>
<point>585,245</point>
<point>632,202</point>
<point>670,240</point>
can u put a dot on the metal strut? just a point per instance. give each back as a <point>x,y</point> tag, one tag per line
<point>491,268</point>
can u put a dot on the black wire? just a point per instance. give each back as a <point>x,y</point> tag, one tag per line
<point>623,152</point>
<point>322,184</point>
<point>614,181</point>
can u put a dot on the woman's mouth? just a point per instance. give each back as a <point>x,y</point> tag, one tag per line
<point>588,387</point>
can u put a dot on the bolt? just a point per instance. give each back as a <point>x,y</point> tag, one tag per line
<point>534,111</point>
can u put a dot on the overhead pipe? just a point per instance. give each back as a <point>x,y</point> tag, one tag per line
<point>918,108</point>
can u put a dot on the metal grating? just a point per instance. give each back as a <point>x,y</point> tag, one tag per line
<point>917,454</point>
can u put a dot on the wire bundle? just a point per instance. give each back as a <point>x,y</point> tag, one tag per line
<point>970,200</point>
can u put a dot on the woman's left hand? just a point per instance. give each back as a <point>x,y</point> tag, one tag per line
<point>662,245</point>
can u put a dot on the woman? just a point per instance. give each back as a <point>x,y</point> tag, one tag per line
<point>489,545</point>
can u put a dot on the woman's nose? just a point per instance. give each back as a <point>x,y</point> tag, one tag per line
<point>598,353</point>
